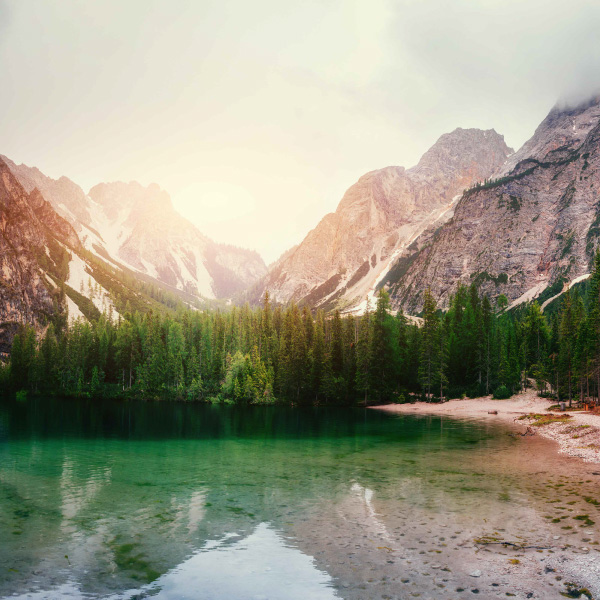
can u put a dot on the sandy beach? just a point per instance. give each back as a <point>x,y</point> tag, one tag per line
<point>579,436</point>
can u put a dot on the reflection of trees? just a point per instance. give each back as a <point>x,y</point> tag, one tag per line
<point>53,419</point>
<point>131,490</point>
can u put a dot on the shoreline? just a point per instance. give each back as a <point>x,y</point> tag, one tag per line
<point>579,437</point>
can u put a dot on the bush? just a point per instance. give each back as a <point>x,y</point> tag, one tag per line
<point>402,397</point>
<point>502,393</point>
<point>476,391</point>
<point>21,395</point>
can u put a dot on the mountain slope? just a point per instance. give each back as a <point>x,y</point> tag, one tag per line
<point>535,226</point>
<point>34,258</point>
<point>350,251</point>
<point>137,227</point>
<point>46,274</point>
<point>67,198</point>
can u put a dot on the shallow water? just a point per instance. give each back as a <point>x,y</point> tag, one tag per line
<point>184,501</point>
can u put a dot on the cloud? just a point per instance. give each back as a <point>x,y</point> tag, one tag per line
<point>541,46</point>
<point>5,15</point>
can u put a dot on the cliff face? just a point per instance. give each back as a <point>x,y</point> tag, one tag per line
<point>34,257</point>
<point>536,224</point>
<point>341,261</point>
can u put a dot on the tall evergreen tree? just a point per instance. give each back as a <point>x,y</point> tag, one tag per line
<point>429,345</point>
<point>383,350</point>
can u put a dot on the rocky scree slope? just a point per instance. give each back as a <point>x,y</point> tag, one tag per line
<point>527,233</point>
<point>341,261</point>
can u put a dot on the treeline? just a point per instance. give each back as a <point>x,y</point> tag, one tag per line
<point>274,354</point>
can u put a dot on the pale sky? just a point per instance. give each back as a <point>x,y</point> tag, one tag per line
<point>256,116</point>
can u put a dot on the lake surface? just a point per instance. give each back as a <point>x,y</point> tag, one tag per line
<point>176,501</point>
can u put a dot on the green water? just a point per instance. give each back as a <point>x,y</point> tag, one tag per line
<point>185,501</point>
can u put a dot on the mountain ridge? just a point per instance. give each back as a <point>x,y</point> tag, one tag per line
<point>179,255</point>
<point>339,261</point>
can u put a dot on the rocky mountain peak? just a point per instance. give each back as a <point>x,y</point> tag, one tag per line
<point>137,226</point>
<point>341,261</point>
<point>473,151</point>
<point>140,227</point>
<point>66,197</point>
<point>531,231</point>
<point>9,186</point>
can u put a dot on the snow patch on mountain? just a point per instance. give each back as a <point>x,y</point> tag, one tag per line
<point>73,311</point>
<point>82,281</point>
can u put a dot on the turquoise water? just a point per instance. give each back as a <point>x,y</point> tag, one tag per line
<point>193,501</point>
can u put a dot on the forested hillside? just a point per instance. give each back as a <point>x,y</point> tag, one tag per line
<point>289,355</point>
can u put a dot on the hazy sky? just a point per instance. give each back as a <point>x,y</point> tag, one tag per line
<point>257,115</point>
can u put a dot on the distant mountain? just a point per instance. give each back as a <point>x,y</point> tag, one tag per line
<point>48,276</point>
<point>137,227</point>
<point>529,232</point>
<point>121,247</point>
<point>341,261</point>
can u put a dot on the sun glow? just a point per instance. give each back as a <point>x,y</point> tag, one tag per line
<point>214,202</point>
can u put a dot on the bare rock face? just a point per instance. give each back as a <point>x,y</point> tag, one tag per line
<point>536,224</point>
<point>34,256</point>
<point>341,261</point>
<point>139,227</point>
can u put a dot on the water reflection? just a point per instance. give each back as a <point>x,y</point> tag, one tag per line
<point>76,495</point>
<point>261,565</point>
<point>208,502</point>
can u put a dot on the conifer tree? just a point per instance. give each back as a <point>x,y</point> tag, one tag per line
<point>429,345</point>
<point>593,320</point>
<point>318,357</point>
<point>488,323</point>
<point>363,354</point>
<point>383,349</point>
<point>568,327</point>
<point>337,352</point>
